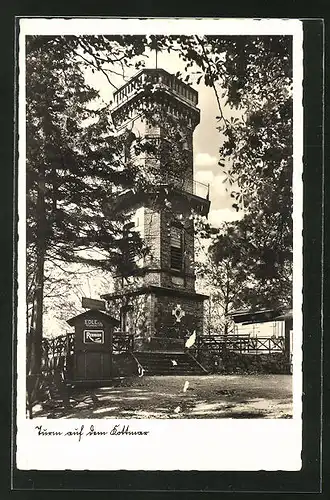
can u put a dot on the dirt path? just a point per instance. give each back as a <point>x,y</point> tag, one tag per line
<point>212,396</point>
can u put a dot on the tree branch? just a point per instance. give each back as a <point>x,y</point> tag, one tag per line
<point>200,41</point>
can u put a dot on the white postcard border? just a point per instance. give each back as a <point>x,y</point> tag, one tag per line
<point>222,444</point>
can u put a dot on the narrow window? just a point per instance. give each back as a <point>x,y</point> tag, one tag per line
<point>128,250</point>
<point>176,248</point>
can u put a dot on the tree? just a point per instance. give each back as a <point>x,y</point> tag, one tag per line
<point>222,274</point>
<point>260,278</point>
<point>74,157</point>
<point>76,166</point>
<point>255,153</point>
<point>224,282</point>
<point>73,161</point>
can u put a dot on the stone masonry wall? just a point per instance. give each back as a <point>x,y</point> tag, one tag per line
<point>165,322</point>
<point>152,220</point>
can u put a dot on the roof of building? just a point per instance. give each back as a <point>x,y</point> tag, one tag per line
<point>93,313</point>
<point>260,316</point>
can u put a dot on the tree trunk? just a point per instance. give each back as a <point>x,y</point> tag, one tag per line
<point>226,310</point>
<point>37,330</point>
<point>30,335</point>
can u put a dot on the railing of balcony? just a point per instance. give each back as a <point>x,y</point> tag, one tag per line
<point>201,190</point>
<point>189,186</point>
<point>156,76</point>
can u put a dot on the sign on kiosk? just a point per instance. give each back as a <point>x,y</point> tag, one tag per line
<point>89,303</point>
<point>93,322</point>
<point>93,336</point>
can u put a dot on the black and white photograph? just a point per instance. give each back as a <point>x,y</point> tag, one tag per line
<point>159,274</point>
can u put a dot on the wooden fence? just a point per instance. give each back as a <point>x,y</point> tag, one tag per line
<point>216,344</point>
<point>58,352</point>
<point>122,342</point>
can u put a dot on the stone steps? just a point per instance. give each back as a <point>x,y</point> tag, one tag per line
<point>164,363</point>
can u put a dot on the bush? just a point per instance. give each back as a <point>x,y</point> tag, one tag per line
<point>230,363</point>
<point>124,365</point>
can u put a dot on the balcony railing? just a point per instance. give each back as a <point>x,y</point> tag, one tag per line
<point>158,77</point>
<point>200,189</point>
<point>190,186</point>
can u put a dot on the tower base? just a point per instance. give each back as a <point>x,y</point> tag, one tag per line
<point>160,318</point>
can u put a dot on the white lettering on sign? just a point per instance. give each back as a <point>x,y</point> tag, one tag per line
<point>93,336</point>
<point>93,322</point>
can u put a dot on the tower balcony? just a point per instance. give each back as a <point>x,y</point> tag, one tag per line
<point>187,185</point>
<point>158,77</point>
<point>155,87</point>
<point>191,194</point>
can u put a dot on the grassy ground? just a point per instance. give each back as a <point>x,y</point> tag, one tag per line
<point>211,396</point>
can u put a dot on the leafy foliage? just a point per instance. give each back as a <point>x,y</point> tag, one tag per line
<point>75,169</point>
<point>73,159</point>
<point>256,73</point>
<point>261,264</point>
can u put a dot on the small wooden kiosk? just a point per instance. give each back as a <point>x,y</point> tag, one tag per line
<point>92,346</point>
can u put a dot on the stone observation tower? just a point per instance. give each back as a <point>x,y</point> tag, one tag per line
<point>155,293</point>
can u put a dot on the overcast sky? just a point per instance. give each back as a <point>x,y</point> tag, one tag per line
<point>206,137</point>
